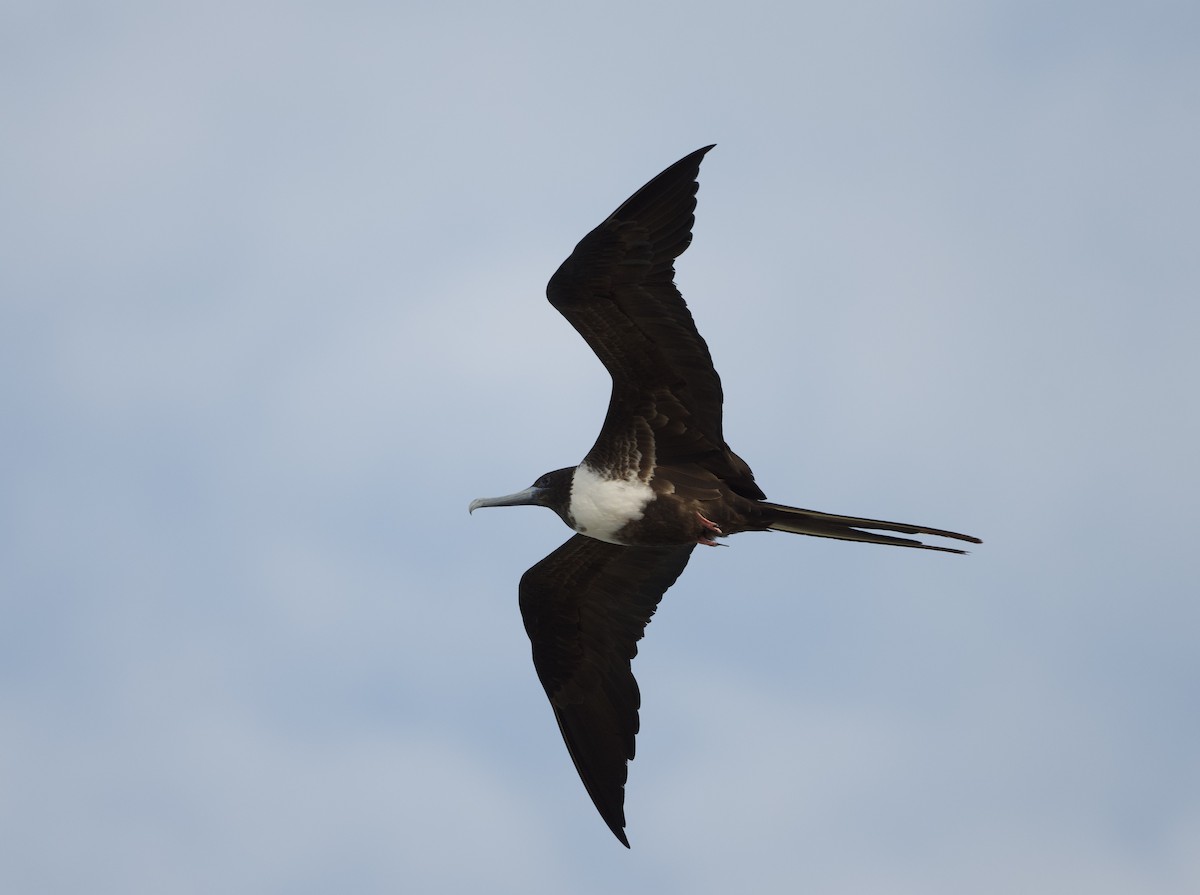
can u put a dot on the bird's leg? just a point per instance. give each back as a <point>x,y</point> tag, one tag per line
<point>709,525</point>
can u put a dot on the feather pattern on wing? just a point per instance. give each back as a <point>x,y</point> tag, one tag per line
<point>585,608</point>
<point>618,290</point>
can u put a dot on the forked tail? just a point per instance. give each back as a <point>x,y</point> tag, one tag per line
<point>848,528</point>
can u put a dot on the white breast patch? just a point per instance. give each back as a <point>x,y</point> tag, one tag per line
<point>602,506</point>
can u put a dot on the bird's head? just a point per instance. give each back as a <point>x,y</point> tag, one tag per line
<point>551,490</point>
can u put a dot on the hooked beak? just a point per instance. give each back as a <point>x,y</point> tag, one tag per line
<point>529,497</point>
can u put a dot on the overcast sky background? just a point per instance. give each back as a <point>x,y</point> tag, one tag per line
<point>272,314</point>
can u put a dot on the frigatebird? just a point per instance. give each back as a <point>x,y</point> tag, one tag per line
<point>659,480</point>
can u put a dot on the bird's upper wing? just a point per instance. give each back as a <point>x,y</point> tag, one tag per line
<point>618,290</point>
<point>585,607</point>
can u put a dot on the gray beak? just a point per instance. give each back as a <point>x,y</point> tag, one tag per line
<point>529,497</point>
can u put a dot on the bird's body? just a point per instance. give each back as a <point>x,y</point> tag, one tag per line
<point>659,480</point>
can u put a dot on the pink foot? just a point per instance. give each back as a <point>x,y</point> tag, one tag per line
<point>709,525</point>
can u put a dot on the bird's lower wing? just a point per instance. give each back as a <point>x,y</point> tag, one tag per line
<point>585,607</point>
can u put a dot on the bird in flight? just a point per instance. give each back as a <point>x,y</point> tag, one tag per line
<point>659,480</point>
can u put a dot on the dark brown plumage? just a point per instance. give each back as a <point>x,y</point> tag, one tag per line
<point>618,290</point>
<point>582,650</point>
<point>659,479</point>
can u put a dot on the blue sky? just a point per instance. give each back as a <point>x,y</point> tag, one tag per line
<point>272,314</point>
